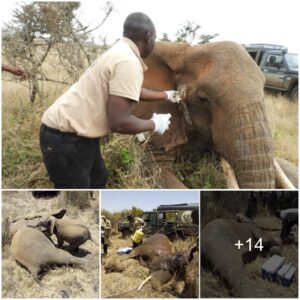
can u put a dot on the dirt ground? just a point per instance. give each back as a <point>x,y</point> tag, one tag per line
<point>213,287</point>
<point>121,280</point>
<point>78,282</point>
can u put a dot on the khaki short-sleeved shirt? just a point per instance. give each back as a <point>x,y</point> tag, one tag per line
<point>82,108</point>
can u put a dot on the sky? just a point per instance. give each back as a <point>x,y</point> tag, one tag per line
<point>242,21</point>
<point>114,201</point>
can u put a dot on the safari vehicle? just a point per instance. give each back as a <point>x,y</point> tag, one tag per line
<point>175,221</point>
<point>279,67</point>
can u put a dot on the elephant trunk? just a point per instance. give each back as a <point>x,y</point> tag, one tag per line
<point>247,145</point>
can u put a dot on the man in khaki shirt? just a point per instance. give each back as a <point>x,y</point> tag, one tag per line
<point>97,104</point>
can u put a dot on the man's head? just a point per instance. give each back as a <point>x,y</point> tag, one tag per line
<point>139,28</point>
<point>103,217</point>
<point>130,218</point>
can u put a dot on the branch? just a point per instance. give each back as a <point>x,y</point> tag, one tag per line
<point>110,9</point>
<point>52,80</point>
<point>45,54</point>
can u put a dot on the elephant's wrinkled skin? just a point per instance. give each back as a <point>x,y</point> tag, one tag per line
<point>223,91</point>
<point>218,239</point>
<point>32,249</point>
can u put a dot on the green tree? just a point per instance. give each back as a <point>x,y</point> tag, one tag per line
<point>189,33</point>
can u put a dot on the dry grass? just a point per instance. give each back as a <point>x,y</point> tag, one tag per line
<point>125,159</point>
<point>121,279</point>
<point>78,282</point>
<point>283,118</point>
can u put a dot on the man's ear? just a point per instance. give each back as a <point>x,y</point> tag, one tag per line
<point>147,37</point>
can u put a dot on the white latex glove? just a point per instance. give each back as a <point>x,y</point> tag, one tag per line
<point>162,122</point>
<point>173,96</point>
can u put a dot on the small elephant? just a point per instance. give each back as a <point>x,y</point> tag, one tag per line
<point>218,239</point>
<point>32,249</point>
<point>67,231</point>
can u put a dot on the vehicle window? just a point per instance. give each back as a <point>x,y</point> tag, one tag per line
<point>149,218</point>
<point>274,61</point>
<point>168,217</point>
<point>292,60</point>
<point>186,217</point>
<point>146,217</point>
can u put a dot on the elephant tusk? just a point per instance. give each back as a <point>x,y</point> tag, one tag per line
<point>281,179</point>
<point>144,282</point>
<point>229,174</point>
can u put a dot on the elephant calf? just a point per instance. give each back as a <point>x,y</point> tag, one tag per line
<point>32,249</point>
<point>70,232</point>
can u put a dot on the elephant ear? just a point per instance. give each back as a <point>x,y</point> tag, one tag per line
<point>160,76</point>
<point>59,214</point>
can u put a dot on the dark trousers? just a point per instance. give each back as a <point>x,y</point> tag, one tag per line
<point>72,161</point>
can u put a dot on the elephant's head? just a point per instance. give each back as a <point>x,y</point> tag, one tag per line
<point>47,224</point>
<point>222,89</point>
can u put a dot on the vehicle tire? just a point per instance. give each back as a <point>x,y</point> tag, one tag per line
<point>126,233</point>
<point>293,95</point>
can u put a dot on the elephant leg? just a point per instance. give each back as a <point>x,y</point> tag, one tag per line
<point>61,257</point>
<point>60,242</point>
<point>34,269</point>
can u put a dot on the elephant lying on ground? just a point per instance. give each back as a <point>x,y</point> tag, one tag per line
<point>222,109</point>
<point>156,253</point>
<point>34,250</point>
<point>218,239</point>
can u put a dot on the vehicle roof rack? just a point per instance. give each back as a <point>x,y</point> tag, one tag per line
<point>266,46</point>
<point>174,206</point>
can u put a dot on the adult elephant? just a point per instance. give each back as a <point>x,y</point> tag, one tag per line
<point>223,108</point>
<point>218,239</point>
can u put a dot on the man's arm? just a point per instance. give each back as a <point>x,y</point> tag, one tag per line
<point>150,95</point>
<point>13,70</point>
<point>121,120</point>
